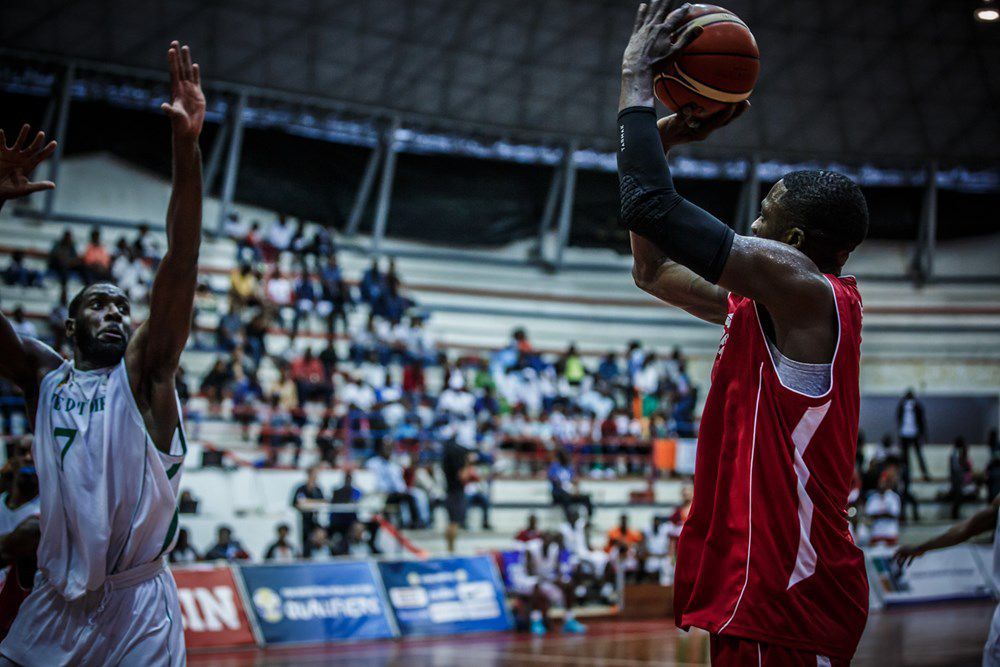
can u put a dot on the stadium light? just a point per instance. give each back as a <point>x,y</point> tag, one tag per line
<point>988,12</point>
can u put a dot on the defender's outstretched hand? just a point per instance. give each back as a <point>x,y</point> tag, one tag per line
<point>187,102</point>
<point>19,160</point>
<point>683,127</point>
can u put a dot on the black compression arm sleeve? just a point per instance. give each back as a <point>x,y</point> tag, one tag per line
<point>651,207</point>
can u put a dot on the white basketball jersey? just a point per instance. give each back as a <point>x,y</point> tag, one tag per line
<point>108,495</point>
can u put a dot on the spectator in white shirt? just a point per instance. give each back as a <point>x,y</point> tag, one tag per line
<point>281,550</point>
<point>389,480</point>
<point>882,510</point>
<point>278,237</point>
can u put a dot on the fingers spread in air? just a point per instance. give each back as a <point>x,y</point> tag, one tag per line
<point>197,73</point>
<point>173,58</point>
<point>640,16</point>
<point>186,63</point>
<point>43,154</point>
<point>21,137</point>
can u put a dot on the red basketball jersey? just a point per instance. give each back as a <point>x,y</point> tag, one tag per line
<point>766,553</point>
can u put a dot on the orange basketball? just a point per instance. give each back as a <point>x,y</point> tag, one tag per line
<point>718,68</point>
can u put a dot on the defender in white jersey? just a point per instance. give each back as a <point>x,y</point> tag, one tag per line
<point>981,522</point>
<point>109,443</point>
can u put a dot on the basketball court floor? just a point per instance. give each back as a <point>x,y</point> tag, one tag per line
<point>929,636</point>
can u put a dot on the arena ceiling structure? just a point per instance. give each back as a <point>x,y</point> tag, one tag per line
<point>897,93</point>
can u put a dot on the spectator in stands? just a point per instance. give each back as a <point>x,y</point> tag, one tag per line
<point>226,547</point>
<point>357,543</point>
<point>255,331</point>
<point>24,327</point>
<point>215,382</point>
<point>530,532</point>
<point>280,550</point>
<point>63,258</point>
<point>130,273</point>
<point>608,369</point>
<point>319,547</point>
<point>278,238</point>
<point>146,247</point>
<point>342,519</point>
<point>187,503</point>
<point>623,545</point>
<point>336,292</point>
<point>243,287</point>
<point>279,293</point>
<point>278,430</point>
<point>95,264</point>
<point>307,498</point>
<point>235,229</point>
<point>477,493</point>
<point>183,553</point>
<point>656,550</point>
<point>883,509</point>
<point>572,366</point>
<point>249,248</point>
<point>565,493</point>
<point>308,300</point>
<point>389,480</point>
<point>17,273</point>
<point>962,485</point>
<point>57,321</point>
<point>311,380</point>
<point>428,491</point>
<point>911,428</point>
<point>372,284</point>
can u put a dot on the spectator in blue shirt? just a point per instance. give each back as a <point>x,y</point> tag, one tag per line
<point>564,490</point>
<point>608,370</point>
<point>389,480</point>
<point>336,292</point>
<point>372,283</point>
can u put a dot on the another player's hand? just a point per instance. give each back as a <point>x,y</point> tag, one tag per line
<point>905,554</point>
<point>657,37</point>
<point>18,160</point>
<point>682,127</point>
<point>187,102</point>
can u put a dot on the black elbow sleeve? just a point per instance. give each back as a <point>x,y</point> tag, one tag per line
<point>650,207</point>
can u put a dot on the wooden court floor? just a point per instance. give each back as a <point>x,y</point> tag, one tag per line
<point>939,635</point>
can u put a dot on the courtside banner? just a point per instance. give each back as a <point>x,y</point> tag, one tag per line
<point>211,607</point>
<point>318,602</point>
<point>948,574</point>
<point>446,595</point>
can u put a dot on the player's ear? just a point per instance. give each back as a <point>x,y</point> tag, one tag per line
<point>70,327</point>
<point>795,237</point>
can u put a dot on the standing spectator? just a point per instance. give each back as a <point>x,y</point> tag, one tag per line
<point>183,553</point>
<point>96,261</point>
<point>564,491</point>
<point>22,325</point>
<point>335,291</point>
<point>280,550</point>
<point>883,509</point>
<point>17,273</point>
<point>306,499</point>
<point>226,547</point>
<point>454,459</point>
<point>389,480</point>
<point>573,369</point>
<point>63,259</point>
<point>911,429</point>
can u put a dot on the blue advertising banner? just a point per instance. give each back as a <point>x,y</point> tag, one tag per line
<point>446,595</point>
<point>318,602</point>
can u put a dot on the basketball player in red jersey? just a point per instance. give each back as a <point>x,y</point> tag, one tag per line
<point>765,560</point>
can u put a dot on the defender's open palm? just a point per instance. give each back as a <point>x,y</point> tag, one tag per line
<point>187,103</point>
<point>19,160</point>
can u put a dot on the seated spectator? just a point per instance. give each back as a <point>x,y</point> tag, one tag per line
<point>251,247</point>
<point>245,392</point>
<point>883,509</point>
<point>57,321</point>
<point>372,284</point>
<point>320,548</point>
<point>336,292</point>
<point>63,258</point>
<point>146,247</point>
<point>22,326</point>
<point>279,429</point>
<point>95,263</point>
<point>17,273</point>
<point>308,300</point>
<point>476,490</point>
<point>182,553</point>
<point>131,274</point>
<point>428,491</point>
<point>572,366</point>
<point>254,332</point>
<point>608,369</point>
<point>356,543</point>
<point>530,532</point>
<point>215,383</point>
<point>311,381</point>
<point>564,490</point>
<point>623,546</point>
<point>389,480</point>
<point>226,548</point>
<point>278,238</point>
<point>329,358</point>
<point>540,582</point>
<point>656,550</point>
<point>243,287</point>
<point>962,486</point>
<point>280,296</point>
<point>187,503</point>
<point>235,228</point>
<point>280,550</point>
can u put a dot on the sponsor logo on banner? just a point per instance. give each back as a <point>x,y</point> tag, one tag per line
<point>211,608</point>
<point>948,574</point>
<point>446,596</point>
<point>317,602</point>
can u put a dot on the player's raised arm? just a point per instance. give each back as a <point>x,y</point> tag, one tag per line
<point>154,353</point>
<point>23,361</point>
<point>775,273</point>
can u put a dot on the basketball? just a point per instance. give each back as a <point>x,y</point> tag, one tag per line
<point>718,68</point>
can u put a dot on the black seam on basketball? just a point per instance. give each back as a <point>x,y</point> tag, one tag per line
<point>712,53</point>
<point>713,87</point>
